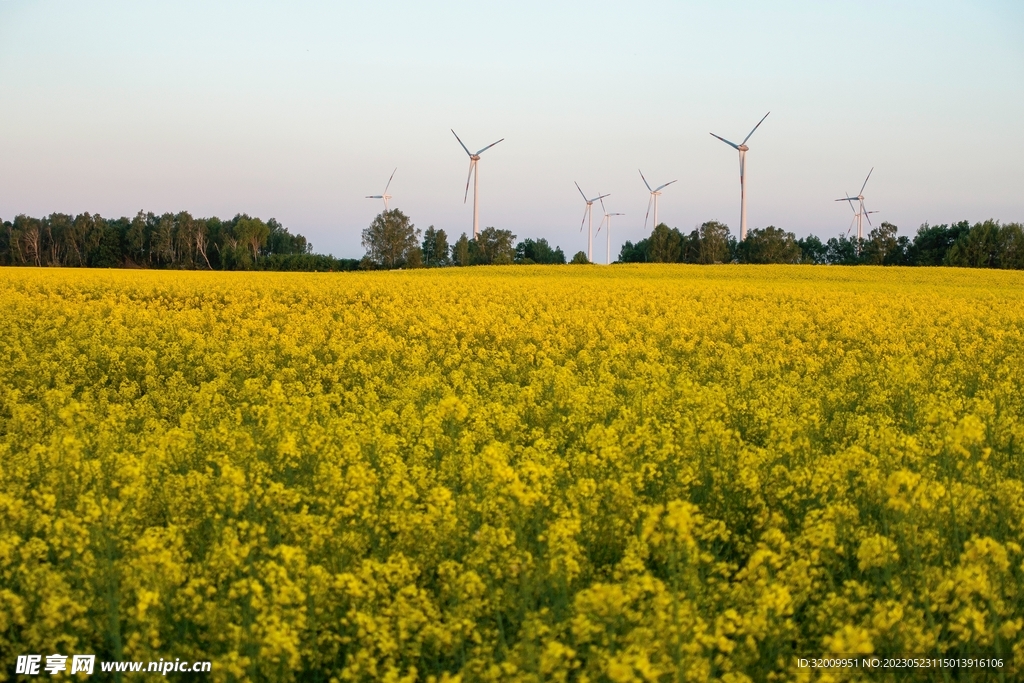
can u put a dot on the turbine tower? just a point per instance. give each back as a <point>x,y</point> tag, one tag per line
<point>863,213</point>
<point>474,172</point>
<point>587,213</point>
<point>608,232</point>
<point>655,193</point>
<point>742,147</point>
<point>384,196</point>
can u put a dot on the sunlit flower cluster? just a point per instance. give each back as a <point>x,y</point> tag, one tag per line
<point>627,473</point>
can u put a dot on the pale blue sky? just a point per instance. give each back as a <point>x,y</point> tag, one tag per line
<point>297,110</point>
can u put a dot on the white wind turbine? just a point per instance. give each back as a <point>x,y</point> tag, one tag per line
<point>474,172</point>
<point>384,196</point>
<point>587,213</point>
<point>608,232</point>
<point>655,193</point>
<point>859,216</point>
<point>742,147</point>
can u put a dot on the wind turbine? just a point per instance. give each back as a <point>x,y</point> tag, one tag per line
<point>608,232</point>
<point>587,213</point>
<point>384,196</point>
<point>655,193</point>
<point>859,216</point>
<point>474,172</point>
<point>742,147</point>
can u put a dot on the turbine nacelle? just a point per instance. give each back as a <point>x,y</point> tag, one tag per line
<point>474,174</point>
<point>655,193</point>
<point>863,213</point>
<point>743,149</point>
<point>386,197</point>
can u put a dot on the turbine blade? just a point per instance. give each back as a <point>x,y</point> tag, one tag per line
<point>866,180</point>
<point>390,179</point>
<point>731,144</point>
<point>648,211</point>
<point>584,217</point>
<point>665,185</point>
<point>603,210</point>
<point>374,196</point>
<point>601,197</point>
<point>581,191</point>
<point>488,147</point>
<point>863,211</point>
<point>460,142</point>
<point>472,166</point>
<point>645,180</point>
<point>755,128</point>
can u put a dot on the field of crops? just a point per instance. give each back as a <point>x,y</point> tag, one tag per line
<point>523,473</point>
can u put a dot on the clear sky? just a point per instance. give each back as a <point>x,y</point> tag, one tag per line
<point>296,110</point>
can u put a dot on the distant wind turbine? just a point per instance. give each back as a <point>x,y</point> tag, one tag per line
<point>474,172</point>
<point>863,213</point>
<point>608,232</point>
<point>587,213</point>
<point>742,147</point>
<point>384,196</point>
<point>655,193</point>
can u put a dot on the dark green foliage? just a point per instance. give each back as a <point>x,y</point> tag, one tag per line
<point>881,246</point>
<point>435,248</point>
<point>494,247</point>
<point>769,245</point>
<point>635,253</point>
<point>710,243</point>
<point>932,243</point>
<point>812,250</point>
<point>842,251</point>
<point>580,258</point>
<point>392,241</point>
<point>151,241</point>
<point>538,251</point>
<point>461,251</point>
<point>666,244</point>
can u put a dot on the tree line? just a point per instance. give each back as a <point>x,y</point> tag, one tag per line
<point>986,244</point>
<point>170,240</point>
<point>392,241</point>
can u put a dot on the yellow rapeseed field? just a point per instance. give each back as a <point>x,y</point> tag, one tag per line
<point>523,473</point>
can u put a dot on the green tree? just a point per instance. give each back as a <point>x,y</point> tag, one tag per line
<point>812,250</point>
<point>881,245</point>
<point>30,236</point>
<point>135,239</point>
<point>842,251</point>
<point>281,241</point>
<point>57,238</point>
<point>460,251</point>
<point>580,258</point>
<point>932,243</point>
<point>435,248</point>
<point>666,244</point>
<point>538,251</point>
<point>978,247</point>
<point>495,247</point>
<point>1011,246</point>
<point>251,235</point>
<point>769,245</point>
<point>710,243</point>
<point>635,253</point>
<point>390,239</point>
